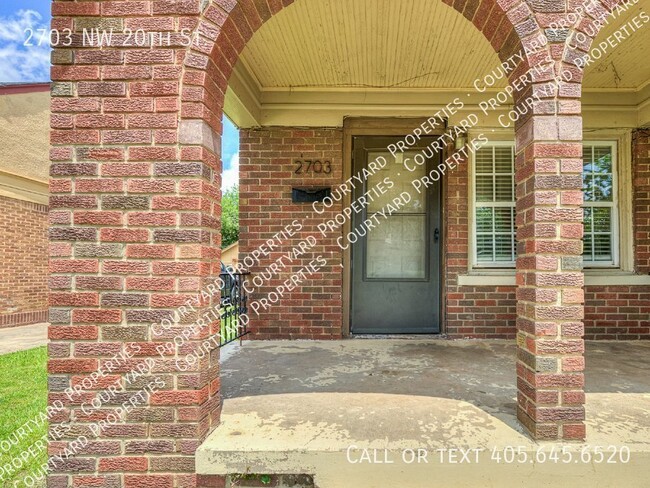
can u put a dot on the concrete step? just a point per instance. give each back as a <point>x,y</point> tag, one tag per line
<point>380,440</point>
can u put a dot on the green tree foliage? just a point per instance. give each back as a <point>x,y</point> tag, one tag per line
<point>230,216</point>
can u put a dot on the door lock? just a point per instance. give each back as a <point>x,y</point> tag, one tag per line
<point>436,235</point>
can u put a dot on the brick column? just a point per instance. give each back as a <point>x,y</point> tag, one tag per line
<point>550,297</point>
<point>134,236</point>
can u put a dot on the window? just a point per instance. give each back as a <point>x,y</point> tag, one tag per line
<point>494,205</point>
<point>600,206</point>
<point>494,190</point>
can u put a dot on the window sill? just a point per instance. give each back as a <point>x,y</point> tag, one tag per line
<point>500,277</point>
<point>592,278</point>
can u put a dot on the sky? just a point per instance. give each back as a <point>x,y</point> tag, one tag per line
<point>25,24</point>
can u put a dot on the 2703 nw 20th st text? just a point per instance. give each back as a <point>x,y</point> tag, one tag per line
<point>98,38</point>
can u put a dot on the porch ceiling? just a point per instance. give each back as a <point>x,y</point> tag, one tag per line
<point>318,61</point>
<point>405,44</point>
<point>368,44</point>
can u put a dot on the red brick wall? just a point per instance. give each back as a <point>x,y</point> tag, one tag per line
<point>471,311</point>
<point>617,312</point>
<point>313,310</point>
<point>266,178</point>
<point>23,255</point>
<point>485,312</point>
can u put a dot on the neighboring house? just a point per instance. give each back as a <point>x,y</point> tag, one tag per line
<point>24,167</point>
<point>341,101</point>
<point>230,254</point>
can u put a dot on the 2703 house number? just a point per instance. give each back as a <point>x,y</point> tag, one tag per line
<point>307,166</point>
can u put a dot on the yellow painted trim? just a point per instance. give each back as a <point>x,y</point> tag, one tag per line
<point>242,103</point>
<point>250,105</point>
<point>327,107</point>
<point>20,188</point>
<point>230,247</point>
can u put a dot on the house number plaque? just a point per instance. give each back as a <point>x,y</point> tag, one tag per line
<point>308,166</point>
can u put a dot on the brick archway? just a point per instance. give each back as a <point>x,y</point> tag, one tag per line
<point>226,26</point>
<point>550,129</point>
<point>135,212</point>
<point>582,32</point>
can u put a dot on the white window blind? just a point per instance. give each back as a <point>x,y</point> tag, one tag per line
<point>494,191</point>
<point>600,204</point>
<point>494,206</point>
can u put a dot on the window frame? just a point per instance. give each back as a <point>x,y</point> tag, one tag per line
<point>496,265</point>
<point>621,225</point>
<point>614,205</point>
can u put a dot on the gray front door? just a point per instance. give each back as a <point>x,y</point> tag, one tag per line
<point>396,259</point>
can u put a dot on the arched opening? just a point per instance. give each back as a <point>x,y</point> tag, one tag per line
<point>299,79</point>
<point>266,60</point>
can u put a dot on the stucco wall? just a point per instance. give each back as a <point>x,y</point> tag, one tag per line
<point>24,135</point>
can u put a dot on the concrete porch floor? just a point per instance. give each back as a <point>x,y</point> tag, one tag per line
<point>297,407</point>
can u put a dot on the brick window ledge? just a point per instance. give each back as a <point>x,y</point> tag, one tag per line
<point>593,277</point>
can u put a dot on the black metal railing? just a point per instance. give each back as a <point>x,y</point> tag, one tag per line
<point>233,308</point>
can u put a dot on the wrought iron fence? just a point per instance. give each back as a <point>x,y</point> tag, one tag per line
<point>234,308</point>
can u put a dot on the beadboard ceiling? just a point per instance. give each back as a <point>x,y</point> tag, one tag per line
<point>402,44</point>
<point>627,65</point>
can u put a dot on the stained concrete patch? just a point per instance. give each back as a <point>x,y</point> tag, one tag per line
<point>298,407</point>
<point>358,365</point>
<point>620,417</point>
<point>324,421</point>
<point>479,372</point>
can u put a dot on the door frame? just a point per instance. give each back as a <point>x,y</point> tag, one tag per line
<point>382,127</point>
